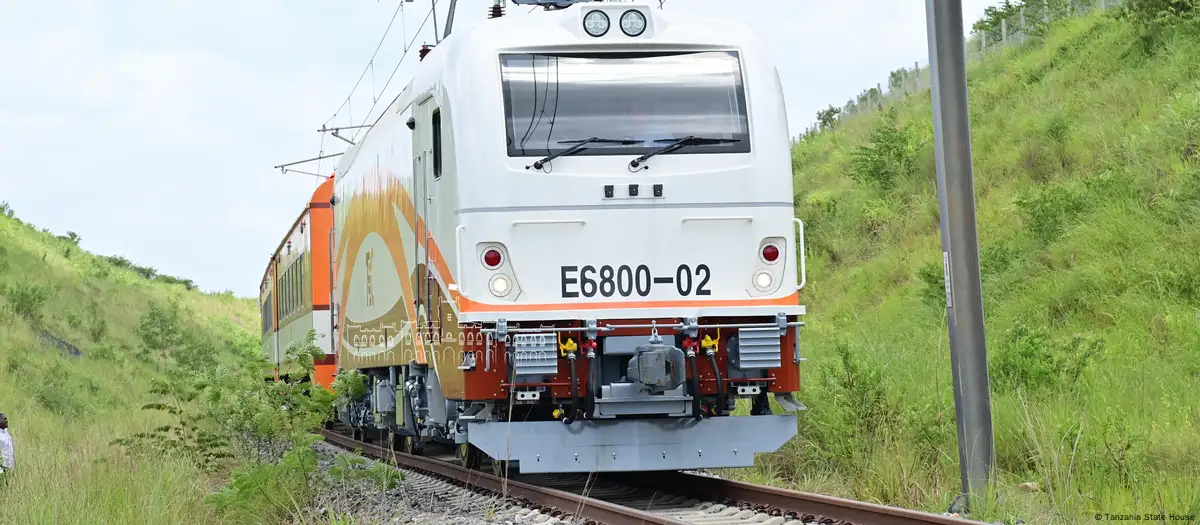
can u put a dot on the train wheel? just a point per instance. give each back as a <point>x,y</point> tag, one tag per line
<point>469,456</point>
<point>411,445</point>
<point>504,469</point>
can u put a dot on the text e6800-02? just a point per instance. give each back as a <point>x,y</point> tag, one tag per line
<point>625,280</point>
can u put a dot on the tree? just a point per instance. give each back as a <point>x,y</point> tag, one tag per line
<point>827,116</point>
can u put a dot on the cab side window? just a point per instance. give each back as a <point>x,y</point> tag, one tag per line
<point>437,143</point>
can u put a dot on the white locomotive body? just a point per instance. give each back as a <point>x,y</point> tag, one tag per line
<point>599,230</point>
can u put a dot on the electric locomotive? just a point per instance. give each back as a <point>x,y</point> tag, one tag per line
<point>568,245</point>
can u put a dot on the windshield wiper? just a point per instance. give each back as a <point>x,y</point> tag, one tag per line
<point>580,146</point>
<point>676,144</point>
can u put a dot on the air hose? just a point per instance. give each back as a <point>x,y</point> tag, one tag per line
<point>722,403</point>
<point>695,384</point>
<point>574,391</point>
<point>593,390</point>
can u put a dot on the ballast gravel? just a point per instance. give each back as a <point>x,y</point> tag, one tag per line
<point>416,499</point>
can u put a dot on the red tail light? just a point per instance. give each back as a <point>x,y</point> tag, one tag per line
<point>491,258</point>
<point>770,253</point>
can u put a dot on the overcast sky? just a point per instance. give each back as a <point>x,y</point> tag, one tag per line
<point>150,127</point>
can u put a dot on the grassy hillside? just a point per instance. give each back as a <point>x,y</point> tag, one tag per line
<point>1088,193</point>
<point>82,338</point>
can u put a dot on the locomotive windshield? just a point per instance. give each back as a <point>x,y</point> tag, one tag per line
<point>639,101</point>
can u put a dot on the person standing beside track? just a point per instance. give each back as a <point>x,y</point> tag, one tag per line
<point>6,446</point>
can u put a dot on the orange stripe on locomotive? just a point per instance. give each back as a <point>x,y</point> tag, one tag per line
<point>478,384</point>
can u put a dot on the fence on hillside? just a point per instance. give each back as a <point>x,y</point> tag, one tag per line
<point>1015,25</point>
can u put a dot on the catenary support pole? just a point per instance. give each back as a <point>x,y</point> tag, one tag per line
<point>437,37</point>
<point>960,246</point>
<point>450,19</point>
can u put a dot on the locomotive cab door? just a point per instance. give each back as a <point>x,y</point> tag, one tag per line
<point>427,154</point>
<point>427,151</point>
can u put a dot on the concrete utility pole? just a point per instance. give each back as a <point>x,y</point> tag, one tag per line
<point>960,245</point>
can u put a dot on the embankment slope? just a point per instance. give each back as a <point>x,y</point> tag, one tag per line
<point>82,338</point>
<point>1087,176</point>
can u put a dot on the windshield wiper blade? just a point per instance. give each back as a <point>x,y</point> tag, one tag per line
<point>582,144</point>
<point>675,144</point>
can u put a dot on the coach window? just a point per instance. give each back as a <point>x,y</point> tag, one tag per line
<point>283,295</point>
<point>287,293</point>
<point>291,289</point>
<point>437,143</point>
<point>292,281</point>
<point>295,286</point>
<point>299,298</point>
<point>299,283</point>
<point>266,313</point>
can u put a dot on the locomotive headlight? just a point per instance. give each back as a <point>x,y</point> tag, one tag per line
<point>596,23</point>
<point>500,285</point>
<point>633,22</point>
<point>762,280</point>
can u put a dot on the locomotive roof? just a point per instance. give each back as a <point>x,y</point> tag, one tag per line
<point>320,195</point>
<point>562,30</point>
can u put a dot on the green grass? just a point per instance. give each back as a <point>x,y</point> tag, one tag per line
<point>1087,180</point>
<point>65,410</point>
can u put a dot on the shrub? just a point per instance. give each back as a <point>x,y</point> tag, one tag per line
<point>186,437</point>
<point>857,414</point>
<point>97,325</point>
<point>1156,13</point>
<point>1048,211</point>
<point>271,492</point>
<point>71,237</point>
<point>27,300</point>
<point>186,283</point>
<point>160,330</point>
<point>888,157</point>
<point>107,351</point>
<point>1027,358</point>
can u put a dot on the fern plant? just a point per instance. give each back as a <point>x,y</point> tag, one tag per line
<point>348,386</point>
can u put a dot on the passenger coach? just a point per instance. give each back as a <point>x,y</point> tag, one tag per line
<point>569,245</point>
<point>294,294</point>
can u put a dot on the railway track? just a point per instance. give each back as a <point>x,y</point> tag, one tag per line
<point>663,498</point>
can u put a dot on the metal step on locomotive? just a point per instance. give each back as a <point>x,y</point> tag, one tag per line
<point>569,245</point>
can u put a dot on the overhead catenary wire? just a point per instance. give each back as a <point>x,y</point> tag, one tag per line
<point>347,103</point>
<point>408,46</point>
<point>320,153</point>
<point>377,96</point>
<point>370,62</point>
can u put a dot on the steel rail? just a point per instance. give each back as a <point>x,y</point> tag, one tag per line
<point>597,511</point>
<point>794,505</point>
<point>776,501</point>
